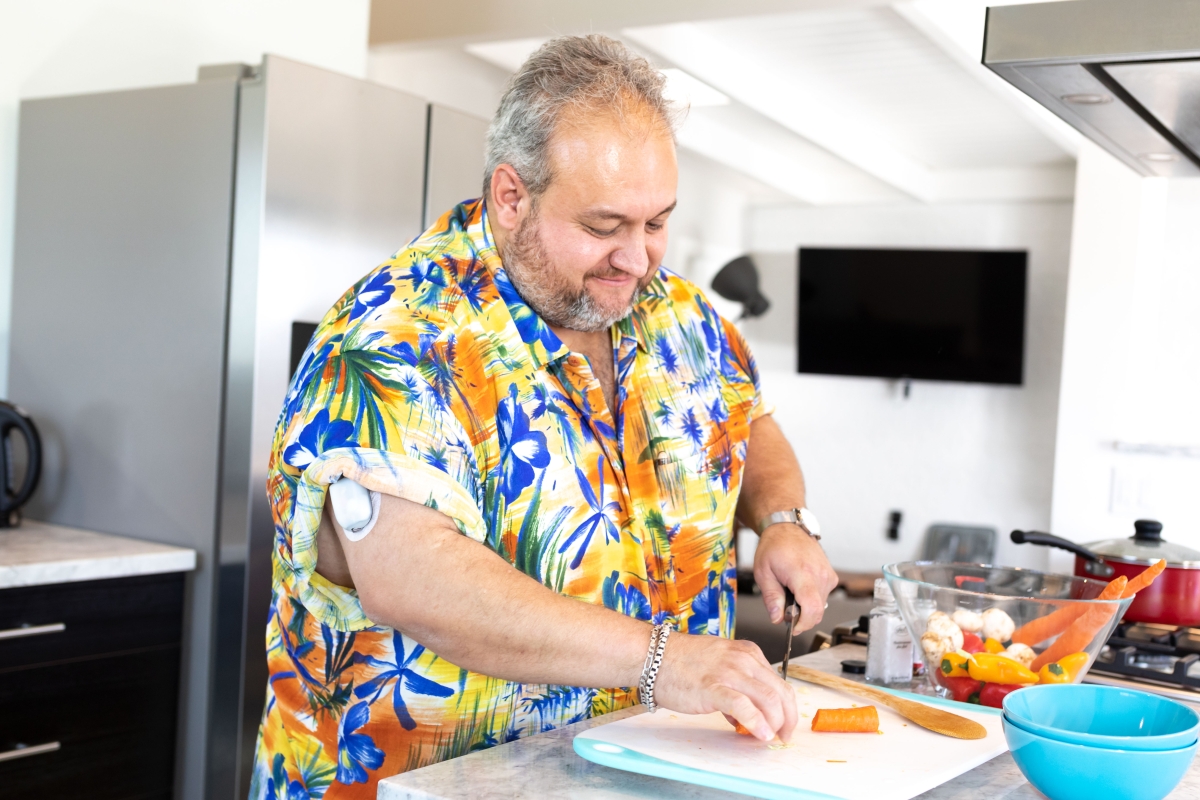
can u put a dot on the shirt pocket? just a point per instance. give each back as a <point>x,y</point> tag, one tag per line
<point>691,476</point>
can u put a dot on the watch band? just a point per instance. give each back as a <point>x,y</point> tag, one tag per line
<point>792,515</point>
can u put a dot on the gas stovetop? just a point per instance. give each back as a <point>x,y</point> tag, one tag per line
<point>1161,654</point>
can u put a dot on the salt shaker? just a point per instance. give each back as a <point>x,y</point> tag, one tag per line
<point>889,644</point>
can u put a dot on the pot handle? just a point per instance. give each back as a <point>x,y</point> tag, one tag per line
<point>1097,567</point>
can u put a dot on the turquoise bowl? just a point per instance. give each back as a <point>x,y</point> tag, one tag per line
<point>1064,771</point>
<point>1103,716</point>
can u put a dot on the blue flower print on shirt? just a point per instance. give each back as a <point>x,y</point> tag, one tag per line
<point>356,751</point>
<point>376,292</point>
<point>402,673</point>
<point>521,450</point>
<point>706,610</point>
<point>628,600</point>
<point>318,436</point>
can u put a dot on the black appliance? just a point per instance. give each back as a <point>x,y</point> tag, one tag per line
<point>14,420</point>
<point>946,315</point>
<point>738,281</point>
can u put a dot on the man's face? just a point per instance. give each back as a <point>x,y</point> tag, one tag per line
<point>595,236</point>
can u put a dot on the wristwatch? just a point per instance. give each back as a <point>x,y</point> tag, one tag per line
<point>802,517</point>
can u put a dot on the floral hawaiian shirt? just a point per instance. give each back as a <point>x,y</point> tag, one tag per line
<point>433,381</point>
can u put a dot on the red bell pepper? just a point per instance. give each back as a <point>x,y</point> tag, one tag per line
<point>972,643</point>
<point>964,690</point>
<point>993,694</point>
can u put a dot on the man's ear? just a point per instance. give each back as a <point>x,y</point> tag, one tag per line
<point>508,200</point>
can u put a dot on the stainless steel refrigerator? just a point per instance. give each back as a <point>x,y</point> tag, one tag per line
<point>166,241</point>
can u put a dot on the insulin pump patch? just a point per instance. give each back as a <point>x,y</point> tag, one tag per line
<point>354,508</point>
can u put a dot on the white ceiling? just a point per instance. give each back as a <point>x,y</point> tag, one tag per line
<point>877,71</point>
<point>855,105</point>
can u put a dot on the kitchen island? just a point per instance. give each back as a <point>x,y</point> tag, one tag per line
<point>546,766</point>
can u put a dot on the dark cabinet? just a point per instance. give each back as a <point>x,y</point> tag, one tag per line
<point>89,687</point>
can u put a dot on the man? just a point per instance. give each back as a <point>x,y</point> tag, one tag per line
<point>546,417</point>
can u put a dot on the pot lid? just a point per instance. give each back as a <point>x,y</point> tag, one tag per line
<point>1147,546</point>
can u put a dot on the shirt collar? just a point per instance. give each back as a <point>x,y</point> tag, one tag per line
<point>542,343</point>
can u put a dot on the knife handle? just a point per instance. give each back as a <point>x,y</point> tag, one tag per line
<point>789,600</point>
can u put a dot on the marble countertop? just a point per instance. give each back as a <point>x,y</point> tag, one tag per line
<point>546,766</point>
<point>38,553</point>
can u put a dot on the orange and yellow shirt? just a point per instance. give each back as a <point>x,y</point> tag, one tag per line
<point>433,381</point>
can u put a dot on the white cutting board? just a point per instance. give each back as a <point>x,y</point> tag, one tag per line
<point>901,762</point>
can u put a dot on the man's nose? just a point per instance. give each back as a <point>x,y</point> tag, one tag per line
<point>631,257</point>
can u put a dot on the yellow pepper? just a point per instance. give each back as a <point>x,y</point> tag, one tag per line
<point>1053,673</point>
<point>1065,670</point>
<point>992,668</point>
<point>993,646</point>
<point>954,665</point>
<point>1073,664</point>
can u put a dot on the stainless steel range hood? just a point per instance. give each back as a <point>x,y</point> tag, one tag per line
<point>1125,73</point>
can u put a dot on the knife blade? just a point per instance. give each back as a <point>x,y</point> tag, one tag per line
<point>790,612</point>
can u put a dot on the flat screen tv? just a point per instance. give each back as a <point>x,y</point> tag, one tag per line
<point>943,315</point>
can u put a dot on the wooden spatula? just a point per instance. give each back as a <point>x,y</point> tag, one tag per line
<point>934,719</point>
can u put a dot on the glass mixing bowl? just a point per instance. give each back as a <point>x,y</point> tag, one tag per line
<point>922,587</point>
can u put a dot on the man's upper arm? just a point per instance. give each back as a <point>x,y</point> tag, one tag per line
<point>369,416</point>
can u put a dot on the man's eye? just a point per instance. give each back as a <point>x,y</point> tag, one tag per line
<point>599,232</point>
<point>654,226</point>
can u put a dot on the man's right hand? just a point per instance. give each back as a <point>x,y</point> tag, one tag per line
<point>703,674</point>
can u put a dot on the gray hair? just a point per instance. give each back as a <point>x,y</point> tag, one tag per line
<point>565,74</point>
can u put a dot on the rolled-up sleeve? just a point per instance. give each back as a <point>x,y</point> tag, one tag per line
<point>371,417</point>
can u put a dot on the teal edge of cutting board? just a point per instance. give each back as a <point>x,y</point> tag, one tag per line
<point>633,761</point>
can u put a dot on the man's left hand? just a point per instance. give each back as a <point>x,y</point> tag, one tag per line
<point>786,555</point>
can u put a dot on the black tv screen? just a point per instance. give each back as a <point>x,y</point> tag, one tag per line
<point>944,315</point>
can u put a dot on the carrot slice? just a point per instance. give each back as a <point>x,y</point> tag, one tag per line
<point>1144,578</point>
<point>742,729</point>
<point>1039,630</point>
<point>846,720</point>
<point>1082,630</point>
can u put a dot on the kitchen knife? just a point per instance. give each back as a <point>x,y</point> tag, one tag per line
<point>790,612</point>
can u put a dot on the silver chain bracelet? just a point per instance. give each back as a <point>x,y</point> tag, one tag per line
<point>654,657</point>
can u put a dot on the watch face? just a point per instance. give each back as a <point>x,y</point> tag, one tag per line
<point>809,520</point>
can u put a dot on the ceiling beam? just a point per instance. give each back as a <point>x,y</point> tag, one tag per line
<point>465,21</point>
<point>742,76</point>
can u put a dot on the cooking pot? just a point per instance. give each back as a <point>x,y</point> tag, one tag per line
<point>1173,599</point>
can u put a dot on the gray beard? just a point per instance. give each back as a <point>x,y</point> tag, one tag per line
<point>528,267</point>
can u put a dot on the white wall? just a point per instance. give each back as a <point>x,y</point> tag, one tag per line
<point>960,453</point>
<point>447,75</point>
<point>1131,363</point>
<point>77,46</point>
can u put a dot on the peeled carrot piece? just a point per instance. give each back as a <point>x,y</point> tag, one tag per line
<point>1082,630</point>
<point>1039,630</point>
<point>1144,578</point>
<point>742,729</point>
<point>846,720</point>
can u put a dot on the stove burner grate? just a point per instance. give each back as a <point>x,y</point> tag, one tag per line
<point>1163,654</point>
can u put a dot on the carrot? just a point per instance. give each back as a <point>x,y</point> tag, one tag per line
<point>846,720</point>
<point>742,729</point>
<point>1144,578</point>
<point>1082,630</point>
<point>1039,630</point>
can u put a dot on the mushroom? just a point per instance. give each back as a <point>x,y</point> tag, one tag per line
<point>969,621</point>
<point>1021,653</point>
<point>936,647</point>
<point>940,623</point>
<point>997,625</point>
